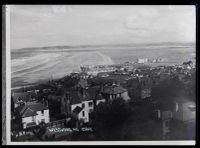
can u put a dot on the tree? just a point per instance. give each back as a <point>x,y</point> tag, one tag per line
<point>168,89</point>
<point>109,118</point>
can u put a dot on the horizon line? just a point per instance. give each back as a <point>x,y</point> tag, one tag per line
<point>92,45</point>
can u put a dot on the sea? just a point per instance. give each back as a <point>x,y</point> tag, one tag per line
<point>37,65</point>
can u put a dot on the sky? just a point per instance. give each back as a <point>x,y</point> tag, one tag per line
<point>57,25</point>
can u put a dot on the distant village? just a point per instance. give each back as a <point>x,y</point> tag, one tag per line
<point>140,102</point>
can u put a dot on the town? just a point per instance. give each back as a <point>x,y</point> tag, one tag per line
<point>128,101</point>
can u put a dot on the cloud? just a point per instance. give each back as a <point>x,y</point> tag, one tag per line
<point>42,25</point>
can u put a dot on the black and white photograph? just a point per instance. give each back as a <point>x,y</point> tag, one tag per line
<point>101,73</point>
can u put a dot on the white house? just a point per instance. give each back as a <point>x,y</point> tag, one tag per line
<point>84,108</point>
<point>142,60</point>
<point>33,114</point>
<point>185,111</point>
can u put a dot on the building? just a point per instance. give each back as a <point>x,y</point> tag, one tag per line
<point>142,60</point>
<point>114,91</point>
<point>188,65</point>
<point>23,97</point>
<point>178,118</point>
<point>184,119</point>
<point>33,114</point>
<point>81,102</point>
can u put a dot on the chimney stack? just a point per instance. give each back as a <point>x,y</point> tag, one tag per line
<point>43,101</point>
<point>47,104</point>
<point>159,114</point>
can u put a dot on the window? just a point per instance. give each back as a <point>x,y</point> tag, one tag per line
<point>33,118</point>
<point>167,123</point>
<point>42,111</point>
<point>83,113</point>
<point>83,105</point>
<point>90,104</point>
<point>43,120</point>
<point>90,110</point>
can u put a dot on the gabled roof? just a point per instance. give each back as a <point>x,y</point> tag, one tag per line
<point>113,89</point>
<point>31,124</point>
<point>30,109</point>
<point>25,96</point>
<point>77,110</point>
<point>36,106</point>
<point>28,112</point>
<point>89,94</point>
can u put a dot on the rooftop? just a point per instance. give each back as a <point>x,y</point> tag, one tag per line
<point>24,96</point>
<point>91,93</point>
<point>30,109</point>
<point>114,89</point>
<point>77,110</point>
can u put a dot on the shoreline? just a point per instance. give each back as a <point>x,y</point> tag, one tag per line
<point>137,65</point>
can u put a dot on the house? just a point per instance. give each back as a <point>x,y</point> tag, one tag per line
<point>184,119</point>
<point>79,113</point>
<point>23,97</point>
<point>81,102</point>
<point>32,114</point>
<point>178,118</point>
<point>142,60</point>
<point>188,65</point>
<point>114,91</point>
<point>185,110</point>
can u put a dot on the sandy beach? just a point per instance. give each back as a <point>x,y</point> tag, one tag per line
<point>31,66</point>
<point>53,65</point>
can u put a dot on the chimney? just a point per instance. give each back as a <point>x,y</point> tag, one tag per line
<point>176,106</point>
<point>158,113</point>
<point>84,93</point>
<point>47,104</point>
